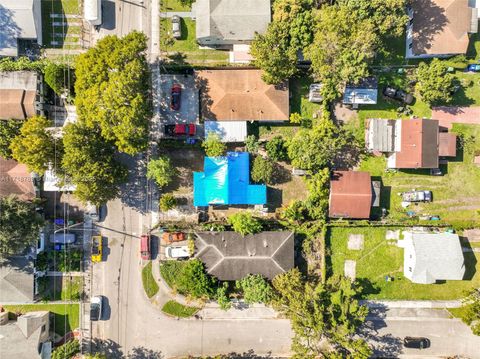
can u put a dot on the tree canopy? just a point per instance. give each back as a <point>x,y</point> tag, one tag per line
<point>321,311</point>
<point>255,289</point>
<point>245,223</point>
<point>35,146</point>
<point>434,84</point>
<point>19,225</point>
<point>194,281</point>
<point>90,164</point>
<point>213,146</point>
<point>9,129</point>
<point>161,170</point>
<point>112,90</point>
<point>262,170</point>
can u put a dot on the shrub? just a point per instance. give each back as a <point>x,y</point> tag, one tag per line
<point>262,170</point>
<point>213,146</point>
<point>167,202</point>
<point>276,149</point>
<point>161,170</point>
<point>67,350</point>
<point>194,281</point>
<point>295,117</point>
<point>434,84</point>
<point>22,64</point>
<point>57,76</point>
<point>251,144</point>
<point>255,289</point>
<point>222,297</point>
<point>245,223</point>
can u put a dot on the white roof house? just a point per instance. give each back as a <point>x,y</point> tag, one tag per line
<point>228,22</point>
<point>363,93</point>
<point>20,19</point>
<point>228,131</point>
<point>51,183</point>
<point>429,257</point>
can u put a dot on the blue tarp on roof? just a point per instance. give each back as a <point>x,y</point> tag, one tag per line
<point>226,180</point>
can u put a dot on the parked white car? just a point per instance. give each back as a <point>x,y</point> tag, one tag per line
<point>96,307</point>
<point>177,252</point>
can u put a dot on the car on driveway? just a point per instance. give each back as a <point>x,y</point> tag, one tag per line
<point>416,342</point>
<point>180,130</point>
<point>96,249</point>
<point>473,68</point>
<point>176,95</point>
<point>398,95</point>
<point>176,27</point>
<point>416,196</point>
<point>177,252</point>
<point>96,306</point>
<point>145,247</point>
<point>171,237</point>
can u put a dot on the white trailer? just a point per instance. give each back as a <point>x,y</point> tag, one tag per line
<point>92,11</point>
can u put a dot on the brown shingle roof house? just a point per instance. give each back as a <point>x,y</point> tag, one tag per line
<point>18,93</point>
<point>439,27</point>
<point>241,95</point>
<point>350,195</point>
<point>15,179</point>
<point>229,256</point>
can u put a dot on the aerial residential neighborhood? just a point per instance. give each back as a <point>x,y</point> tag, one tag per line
<point>213,179</point>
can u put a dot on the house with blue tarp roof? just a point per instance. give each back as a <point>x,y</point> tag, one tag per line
<point>226,181</point>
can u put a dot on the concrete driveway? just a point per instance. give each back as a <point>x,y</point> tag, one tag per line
<point>188,112</point>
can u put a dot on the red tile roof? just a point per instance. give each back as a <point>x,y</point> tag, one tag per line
<point>15,179</point>
<point>447,144</point>
<point>350,194</point>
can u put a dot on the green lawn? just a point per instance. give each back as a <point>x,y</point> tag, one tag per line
<point>176,309</point>
<point>67,288</point>
<point>66,316</point>
<point>469,93</point>
<point>456,194</point>
<point>299,89</point>
<point>149,284</point>
<point>378,259</point>
<point>170,271</point>
<point>186,50</point>
<point>174,5</point>
<point>68,32</point>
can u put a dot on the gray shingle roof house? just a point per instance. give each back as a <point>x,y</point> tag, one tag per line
<point>20,19</point>
<point>229,22</point>
<point>429,257</point>
<point>16,280</point>
<point>229,256</point>
<point>25,338</point>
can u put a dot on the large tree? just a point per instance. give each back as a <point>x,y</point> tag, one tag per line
<point>161,170</point>
<point>35,146</point>
<point>342,47</point>
<point>434,84</point>
<point>19,225</point>
<point>316,148</point>
<point>112,90</point>
<point>245,223</point>
<point>290,31</point>
<point>90,164</point>
<point>9,129</point>
<point>321,313</point>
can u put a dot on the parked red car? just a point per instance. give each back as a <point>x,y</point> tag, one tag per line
<point>176,95</point>
<point>145,247</point>
<point>171,237</point>
<point>180,130</point>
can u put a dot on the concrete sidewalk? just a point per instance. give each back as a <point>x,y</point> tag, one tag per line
<point>188,14</point>
<point>426,304</point>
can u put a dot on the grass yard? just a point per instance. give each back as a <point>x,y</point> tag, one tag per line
<point>456,194</point>
<point>170,271</point>
<point>469,93</point>
<point>66,288</point>
<point>66,316</point>
<point>149,284</point>
<point>378,259</point>
<point>299,89</point>
<point>61,35</point>
<point>176,309</point>
<point>186,50</point>
<point>175,5</point>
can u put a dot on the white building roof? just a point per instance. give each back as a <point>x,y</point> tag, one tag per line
<point>229,131</point>
<point>429,257</point>
<point>51,183</point>
<point>20,19</point>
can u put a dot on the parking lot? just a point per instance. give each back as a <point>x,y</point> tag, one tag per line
<point>189,105</point>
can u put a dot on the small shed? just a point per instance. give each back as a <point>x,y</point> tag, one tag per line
<point>447,144</point>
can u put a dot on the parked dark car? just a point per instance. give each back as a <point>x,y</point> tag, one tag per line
<point>398,95</point>
<point>473,68</point>
<point>180,130</point>
<point>416,342</point>
<point>176,96</point>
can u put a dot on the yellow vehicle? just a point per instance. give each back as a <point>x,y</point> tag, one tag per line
<point>96,248</point>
